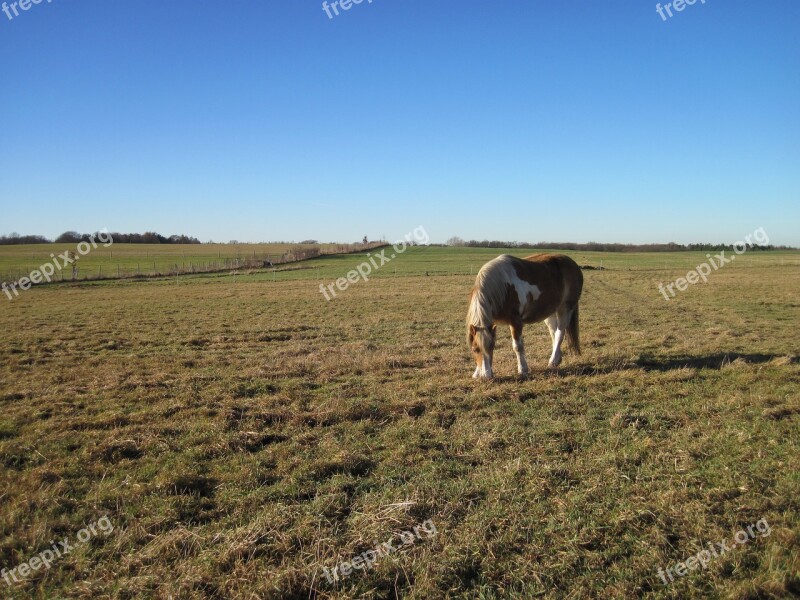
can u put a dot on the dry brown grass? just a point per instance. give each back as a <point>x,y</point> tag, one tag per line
<point>241,437</point>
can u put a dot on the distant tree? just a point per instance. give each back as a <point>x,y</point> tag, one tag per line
<point>455,241</point>
<point>15,238</point>
<point>365,240</point>
<point>309,242</point>
<point>151,237</point>
<point>183,239</point>
<point>69,237</point>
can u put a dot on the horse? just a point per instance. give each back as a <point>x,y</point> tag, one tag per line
<point>516,291</point>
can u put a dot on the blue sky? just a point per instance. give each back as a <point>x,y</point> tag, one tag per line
<point>259,120</point>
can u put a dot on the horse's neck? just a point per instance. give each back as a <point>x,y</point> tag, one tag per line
<point>480,312</point>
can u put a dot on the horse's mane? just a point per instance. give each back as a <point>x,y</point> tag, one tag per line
<point>489,292</point>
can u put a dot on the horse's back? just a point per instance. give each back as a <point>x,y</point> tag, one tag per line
<point>563,269</point>
<point>547,258</point>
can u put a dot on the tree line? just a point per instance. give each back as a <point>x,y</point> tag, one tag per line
<point>605,247</point>
<point>73,237</point>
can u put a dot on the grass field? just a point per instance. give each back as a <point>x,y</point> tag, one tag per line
<point>145,259</point>
<point>243,435</point>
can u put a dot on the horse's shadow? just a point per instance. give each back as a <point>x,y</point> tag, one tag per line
<point>647,363</point>
<point>712,361</point>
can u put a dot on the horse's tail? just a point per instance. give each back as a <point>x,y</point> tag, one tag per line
<point>573,331</point>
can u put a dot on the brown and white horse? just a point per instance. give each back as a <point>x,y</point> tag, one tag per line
<point>515,291</point>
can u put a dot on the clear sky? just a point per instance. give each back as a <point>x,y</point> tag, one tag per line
<point>536,120</point>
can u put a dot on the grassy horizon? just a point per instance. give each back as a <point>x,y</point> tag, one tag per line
<point>415,260</point>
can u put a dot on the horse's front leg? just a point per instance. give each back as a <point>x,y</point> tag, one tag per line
<point>519,348</point>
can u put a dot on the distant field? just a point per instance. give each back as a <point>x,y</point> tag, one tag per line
<point>443,261</point>
<point>129,259</point>
<point>146,259</point>
<point>242,435</point>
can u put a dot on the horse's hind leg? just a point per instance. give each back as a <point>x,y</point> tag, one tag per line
<point>552,325</point>
<point>519,348</point>
<point>559,322</point>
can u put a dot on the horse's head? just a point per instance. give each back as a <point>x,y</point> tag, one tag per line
<point>481,344</point>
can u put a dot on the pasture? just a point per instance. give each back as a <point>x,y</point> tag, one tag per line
<point>125,260</point>
<point>244,434</point>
